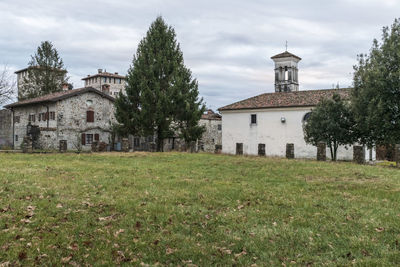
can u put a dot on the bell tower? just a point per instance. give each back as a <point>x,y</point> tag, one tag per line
<point>286,72</point>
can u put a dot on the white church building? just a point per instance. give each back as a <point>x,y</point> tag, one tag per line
<point>264,124</point>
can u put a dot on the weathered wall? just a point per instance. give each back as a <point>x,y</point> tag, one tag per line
<point>5,128</point>
<point>20,128</point>
<point>115,86</point>
<point>70,121</point>
<point>211,137</point>
<point>269,130</point>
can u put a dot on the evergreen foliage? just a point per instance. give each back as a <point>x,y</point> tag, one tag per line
<point>330,122</point>
<point>46,73</point>
<point>376,95</point>
<point>161,98</point>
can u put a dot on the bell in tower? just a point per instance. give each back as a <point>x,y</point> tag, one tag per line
<point>286,72</point>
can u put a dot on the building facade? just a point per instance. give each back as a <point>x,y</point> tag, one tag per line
<point>79,116</point>
<point>25,87</point>
<point>264,124</point>
<point>211,139</point>
<point>106,82</point>
<point>5,129</point>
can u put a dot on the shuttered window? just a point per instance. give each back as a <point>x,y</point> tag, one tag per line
<point>89,116</point>
<point>83,139</point>
<point>96,137</point>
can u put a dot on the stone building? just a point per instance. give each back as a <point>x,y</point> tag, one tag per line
<point>212,137</point>
<point>79,116</point>
<point>109,83</point>
<point>24,87</point>
<point>5,129</point>
<point>265,124</point>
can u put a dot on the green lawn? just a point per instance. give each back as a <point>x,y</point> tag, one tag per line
<point>195,209</point>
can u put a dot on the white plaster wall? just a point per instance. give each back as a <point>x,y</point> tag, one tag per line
<point>269,130</point>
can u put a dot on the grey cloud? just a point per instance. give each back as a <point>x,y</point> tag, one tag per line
<point>227,44</point>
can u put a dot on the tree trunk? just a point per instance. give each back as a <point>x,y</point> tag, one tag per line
<point>335,151</point>
<point>331,150</point>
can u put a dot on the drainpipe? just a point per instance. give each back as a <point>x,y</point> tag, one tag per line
<point>13,134</point>
<point>48,116</point>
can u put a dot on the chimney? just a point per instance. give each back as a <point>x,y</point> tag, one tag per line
<point>99,70</point>
<point>65,87</point>
<point>116,73</point>
<point>210,111</point>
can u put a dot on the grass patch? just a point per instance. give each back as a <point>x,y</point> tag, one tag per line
<point>195,209</point>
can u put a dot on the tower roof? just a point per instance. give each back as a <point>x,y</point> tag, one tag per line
<point>285,54</point>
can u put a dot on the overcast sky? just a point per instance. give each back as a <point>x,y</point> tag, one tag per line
<point>227,44</point>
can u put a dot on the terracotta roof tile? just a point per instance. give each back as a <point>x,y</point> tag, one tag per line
<point>58,96</point>
<point>211,115</point>
<point>287,99</point>
<point>285,54</point>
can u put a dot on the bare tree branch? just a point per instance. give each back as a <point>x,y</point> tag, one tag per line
<point>7,86</point>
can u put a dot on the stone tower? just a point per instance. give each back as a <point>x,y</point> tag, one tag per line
<point>286,72</point>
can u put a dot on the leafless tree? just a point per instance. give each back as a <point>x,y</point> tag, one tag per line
<point>7,86</point>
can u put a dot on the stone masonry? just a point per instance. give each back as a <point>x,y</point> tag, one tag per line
<point>5,129</point>
<point>64,116</point>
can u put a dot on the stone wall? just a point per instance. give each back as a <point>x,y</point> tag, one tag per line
<point>70,121</point>
<point>5,129</point>
<point>212,135</point>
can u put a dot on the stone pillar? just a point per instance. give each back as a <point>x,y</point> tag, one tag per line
<point>321,151</point>
<point>27,145</point>
<point>358,154</point>
<point>218,149</point>
<point>290,151</point>
<point>63,146</point>
<point>239,148</point>
<point>397,155</point>
<point>125,144</point>
<point>261,149</point>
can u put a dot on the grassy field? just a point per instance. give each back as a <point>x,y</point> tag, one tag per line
<point>195,209</point>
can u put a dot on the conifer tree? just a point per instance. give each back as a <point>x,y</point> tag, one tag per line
<point>161,95</point>
<point>376,94</point>
<point>46,73</point>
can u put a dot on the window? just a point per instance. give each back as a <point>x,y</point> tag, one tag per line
<point>52,115</point>
<point>16,138</point>
<point>16,119</point>
<point>109,80</point>
<point>90,116</point>
<point>306,116</point>
<point>89,139</point>
<point>105,79</point>
<point>219,127</point>
<point>114,80</point>
<point>119,80</point>
<point>253,118</point>
<point>31,118</point>
<point>95,80</point>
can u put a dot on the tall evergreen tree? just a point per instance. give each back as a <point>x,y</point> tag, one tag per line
<point>46,73</point>
<point>161,97</point>
<point>376,94</point>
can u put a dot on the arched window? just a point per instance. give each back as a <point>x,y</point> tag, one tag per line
<point>306,117</point>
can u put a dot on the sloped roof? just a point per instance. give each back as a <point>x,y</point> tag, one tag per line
<point>285,54</point>
<point>307,98</point>
<point>36,67</point>
<point>54,97</point>
<point>211,115</point>
<point>104,74</point>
